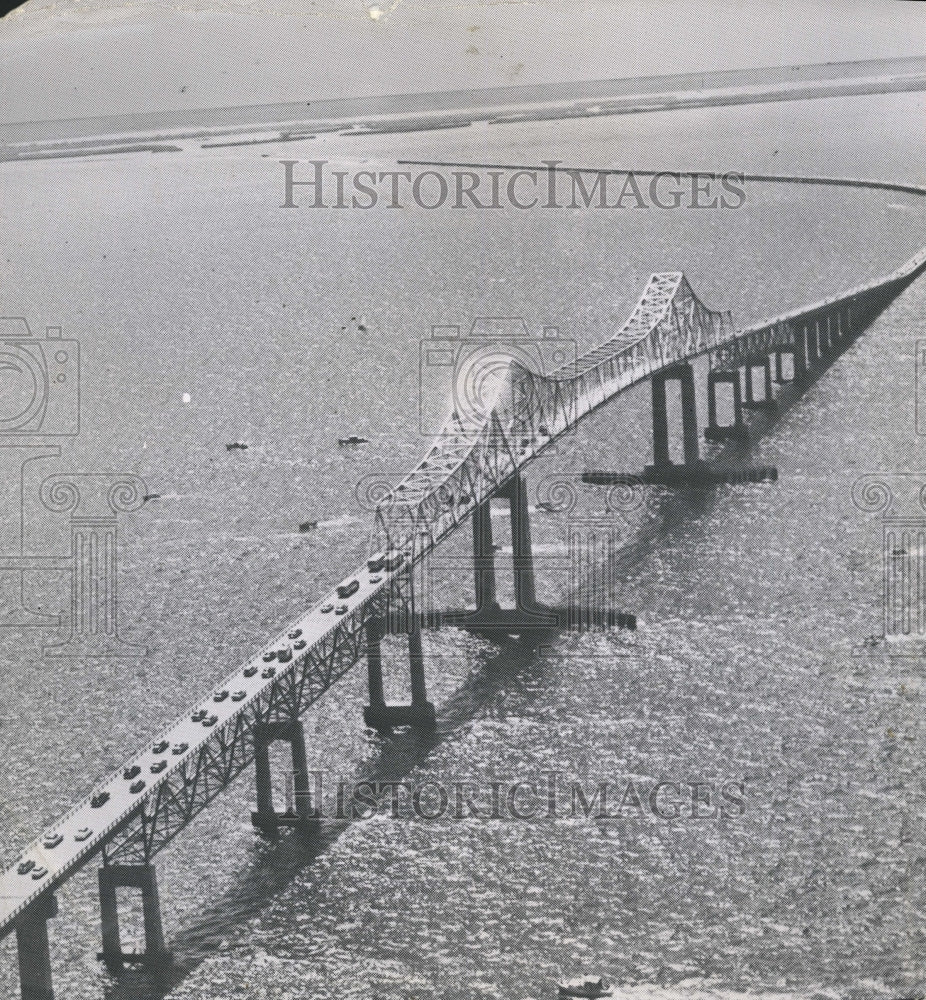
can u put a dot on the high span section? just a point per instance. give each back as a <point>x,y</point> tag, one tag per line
<point>478,455</point>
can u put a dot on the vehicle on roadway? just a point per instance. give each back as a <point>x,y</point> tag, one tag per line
<point>346,590</point>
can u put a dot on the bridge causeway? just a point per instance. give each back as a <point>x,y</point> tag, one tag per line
<point>137,811</point>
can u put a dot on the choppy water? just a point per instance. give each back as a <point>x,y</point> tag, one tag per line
<point>180,276</point>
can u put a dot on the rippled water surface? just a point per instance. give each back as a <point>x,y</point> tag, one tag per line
<point>208,315</point>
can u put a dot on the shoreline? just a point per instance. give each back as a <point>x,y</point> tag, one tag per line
<point>459,109</point>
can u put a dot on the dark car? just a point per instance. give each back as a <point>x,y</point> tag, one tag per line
<point>346,590</point>
<point>250,671</point>
<point>299,644</point>
<point>294,633</point>
<point>131,772</point>
<point>100,799</point>
<point>268,672</point>
<point>271,654</point>
<point>327,609</point>
<point>180,748</point>
<point>84,833</point>
<point>285,655</point>
<point>160,747</point>
<point>158,766</point>
<point>198,715</point>
<point>220,696</point>
<point>39,872</point>
<point>341,609</point>
<point>24,867</point>
<point>238,695</point>
<point>137,786</point>
<point>210,720</point>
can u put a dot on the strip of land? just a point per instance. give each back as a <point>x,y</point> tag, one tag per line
<point>458,109</point>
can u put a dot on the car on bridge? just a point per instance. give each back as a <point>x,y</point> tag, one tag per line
<point>346,590</point>
<point>52,840</point>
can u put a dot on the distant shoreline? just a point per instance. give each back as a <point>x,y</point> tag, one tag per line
<point>456,109</point>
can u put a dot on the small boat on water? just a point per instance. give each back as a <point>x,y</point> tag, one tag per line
<point>585,986</point>
<point>353,439</point>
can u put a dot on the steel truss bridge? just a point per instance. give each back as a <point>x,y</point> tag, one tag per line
<point>139,809</point>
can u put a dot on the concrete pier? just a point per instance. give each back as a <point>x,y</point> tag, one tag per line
<point>767,402</point>
<point>142,877</point>
<point>737,430</point>
<point>420,713</point>
<point>33,951</point>
<point>684,374</point>
<point>484,557</point>
<point>265,818</point>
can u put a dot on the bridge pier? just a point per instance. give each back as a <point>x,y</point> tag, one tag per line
<point>528,618</point>
<point>812,332</point>
<point>684,374</point>
<point>738,429</point>
<point>420,713</point>
<point>33,951</point>
<point>799,353</point>
<point>484,557</point>
<point>767,402</point>
<point>142,877</point>
<point>300,813</point>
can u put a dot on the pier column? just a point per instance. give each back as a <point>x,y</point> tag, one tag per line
<point>738,429</point>
<point>779,371</point>
<point>683,373</point>
<point>813,343</point>
<point>299,812</point>
<point>375,630</point>
<point>484,556</point>
<point>525,596</point>
<point>660,421</point>
<point>768,400</point>
<point>799,353</point>
<point>142,877</point>
<point>420,713</point>
<point>33,951</point>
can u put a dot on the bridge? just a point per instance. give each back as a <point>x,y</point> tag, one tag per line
<point>478,456</point>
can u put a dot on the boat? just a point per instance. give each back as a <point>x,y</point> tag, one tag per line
<point>585,986</point>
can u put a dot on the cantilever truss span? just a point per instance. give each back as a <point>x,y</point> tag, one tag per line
<point>133,814</point>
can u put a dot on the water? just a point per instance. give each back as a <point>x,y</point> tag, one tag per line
<point>180,276</point>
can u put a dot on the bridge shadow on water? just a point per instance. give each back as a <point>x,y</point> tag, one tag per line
<point>274,863</point>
